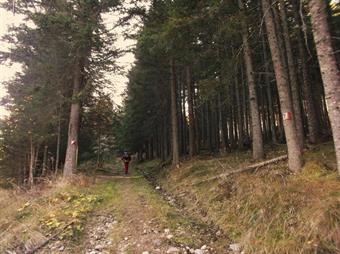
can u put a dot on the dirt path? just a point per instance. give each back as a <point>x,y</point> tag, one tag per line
<point>138,219</point>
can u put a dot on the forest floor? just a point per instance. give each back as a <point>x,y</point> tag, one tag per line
<point>156,209</point>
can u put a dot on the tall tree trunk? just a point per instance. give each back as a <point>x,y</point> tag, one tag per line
<point>31,166</point>
<point>295,160</point>
<point>202,127</point>
<point>242,98</point>
<point>174,125</point>
<point>292,75</point>
<point>179,86</point>
<point>185,123</point>
<point>269,93</point>
<point>209,125</point>
<point>231,121</point>
<point>165,138</point>
<point>159,143</point>
<point>21,171</point>
<point>312,120</point>
<point>245,106</point>
<point>36,157</point>
<point>238,85</point>
<point>44,166</point>
<point>222,135</point>
<point>271,112</point>
<point>257,139</point>
<point>197,125</point>
<point>150,149</point>
<point>192,146</point>
<point>58,142</point>
<point>216,127</point>
<point>263,110</point>
<point>27,164</point>
<point>329,69</point>
<point>99,150</point>
<point>235,122</point>
<point>183,117</point>
<point>72,142</point>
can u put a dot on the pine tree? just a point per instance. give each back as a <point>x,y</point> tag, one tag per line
<point>329,68</point>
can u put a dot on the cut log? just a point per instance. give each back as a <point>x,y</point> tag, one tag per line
<point>244,169</point>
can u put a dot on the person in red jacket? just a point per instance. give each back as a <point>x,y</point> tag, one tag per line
<point>126,160</point>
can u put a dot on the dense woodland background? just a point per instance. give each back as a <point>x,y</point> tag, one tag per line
<point>209,77</point>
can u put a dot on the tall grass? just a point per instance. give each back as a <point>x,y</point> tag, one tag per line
<point>270,211</point>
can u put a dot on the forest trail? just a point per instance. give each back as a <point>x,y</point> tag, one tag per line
<point>140,219</point>
<point>157,210</point>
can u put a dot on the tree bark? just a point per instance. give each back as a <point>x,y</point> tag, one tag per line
<point>238,86</point>
<point>179,86</point>
<point>31,166</point>
<point>295,160</point>
<point>72,142</point>
<point>208,125</point>
<point>165,138</point>
<point>192,147</point>
<point>269,94</point>
<point>174,126</point>
<point>185,122</point>
<point>245,106</point>
<point>44,167</point>
<point>312,120</point>
<point>184,118</point>
<point>36,157</point>
<point>292,74</point>
<point>257,139</point>
<point>231,121</point>
<point>58,142</point>
<point>216,126</point>
<point>202,127</point>
<point>222,138</point>
<point>329,69</point>
<point>99,150</point>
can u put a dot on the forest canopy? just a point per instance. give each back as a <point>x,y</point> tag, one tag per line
<point>209,77</point>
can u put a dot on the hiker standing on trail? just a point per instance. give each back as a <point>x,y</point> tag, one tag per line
<point>126,159</point>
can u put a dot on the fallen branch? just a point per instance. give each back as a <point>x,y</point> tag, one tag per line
<point>241,170</point>
<point>117,177</point>
<point>222,166</point>
<point>49,239</point>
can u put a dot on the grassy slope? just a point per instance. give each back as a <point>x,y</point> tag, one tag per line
<point>267,212</point>
<point>29,218</point>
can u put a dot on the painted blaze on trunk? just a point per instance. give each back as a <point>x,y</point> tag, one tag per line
<point>295,160</point>
<point>72,142</point>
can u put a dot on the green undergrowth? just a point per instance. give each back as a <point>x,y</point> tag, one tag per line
<point>29,218</point>
<point>74,211</point>
<point>270,211</point>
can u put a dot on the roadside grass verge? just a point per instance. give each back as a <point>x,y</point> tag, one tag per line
<point>270,211</point>
<point>29,218</point>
